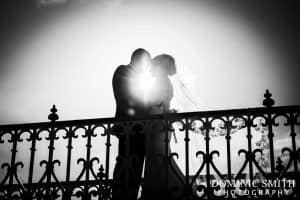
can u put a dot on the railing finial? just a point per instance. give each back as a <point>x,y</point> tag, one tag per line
<point>53,116</point>
<point>268,101</point>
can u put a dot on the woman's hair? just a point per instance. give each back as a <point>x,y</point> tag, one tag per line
<point>163,65</point>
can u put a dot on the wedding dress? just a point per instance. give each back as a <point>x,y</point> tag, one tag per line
<point>162,180</point>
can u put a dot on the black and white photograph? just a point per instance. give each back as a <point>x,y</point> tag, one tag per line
<point>149,99</point>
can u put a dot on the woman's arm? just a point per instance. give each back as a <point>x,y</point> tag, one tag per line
<point>166,101</point>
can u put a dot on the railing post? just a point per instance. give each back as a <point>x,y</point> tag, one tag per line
<point>52,134</point>
<point>12,169</point>
<point>88,153</point>
<point>207,127</point>
<point>69,135</point>
<point>269,102</point>
<point>228,126</point>
<point>292,123</point>
<point>33,138</point>
<point>249,141</point>
<point>167,152</point>
<point>107,162</point>
<point>187,153</point>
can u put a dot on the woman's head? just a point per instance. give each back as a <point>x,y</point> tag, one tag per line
<point>163,65</point>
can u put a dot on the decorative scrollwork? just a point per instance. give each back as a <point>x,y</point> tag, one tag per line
<point>11,171</point>
<point>257,125</point>
<point>34,135</point>
<point>87,166</point>
<point>256,163</point>
<point>89,133</point>
<point>49,169</point>
<point>220,129</point>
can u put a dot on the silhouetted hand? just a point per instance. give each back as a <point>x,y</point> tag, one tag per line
<point>173,110</point>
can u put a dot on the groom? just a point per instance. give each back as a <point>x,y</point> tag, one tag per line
<point>129,107</point>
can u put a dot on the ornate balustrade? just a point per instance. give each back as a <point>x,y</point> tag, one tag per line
<point>257,144</point>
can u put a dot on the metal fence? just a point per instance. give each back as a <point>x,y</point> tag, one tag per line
<point>25,175</point>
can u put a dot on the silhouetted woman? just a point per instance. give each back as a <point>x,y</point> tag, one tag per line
<point>160,181</point>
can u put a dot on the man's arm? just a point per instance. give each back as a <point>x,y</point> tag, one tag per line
<point>121,88</point>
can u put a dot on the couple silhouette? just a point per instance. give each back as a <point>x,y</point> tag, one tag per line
<point>150,146</point>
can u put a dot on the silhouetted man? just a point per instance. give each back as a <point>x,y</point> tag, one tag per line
<point>129,107</point>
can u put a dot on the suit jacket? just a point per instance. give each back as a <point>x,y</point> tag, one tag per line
<point>127,105</point>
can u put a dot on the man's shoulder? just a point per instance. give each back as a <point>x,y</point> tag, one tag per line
<point>122,69</point>
<point>120,73</point>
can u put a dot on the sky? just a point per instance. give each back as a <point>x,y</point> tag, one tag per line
<point>65,53</point>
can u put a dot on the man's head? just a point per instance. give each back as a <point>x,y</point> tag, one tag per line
<point>140,59</point>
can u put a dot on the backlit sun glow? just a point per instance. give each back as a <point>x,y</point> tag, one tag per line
<point>143,86</point>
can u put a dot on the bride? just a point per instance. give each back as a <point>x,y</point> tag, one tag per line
<point>160,181</point>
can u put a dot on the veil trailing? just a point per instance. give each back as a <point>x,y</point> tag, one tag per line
<point>184,100</point>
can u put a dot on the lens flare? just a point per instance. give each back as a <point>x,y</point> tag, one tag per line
<point>145,84</point>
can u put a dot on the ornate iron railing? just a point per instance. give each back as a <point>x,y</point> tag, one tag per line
<point>47,169</point>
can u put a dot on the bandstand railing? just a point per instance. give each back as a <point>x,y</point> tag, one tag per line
<point>48,166</point>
